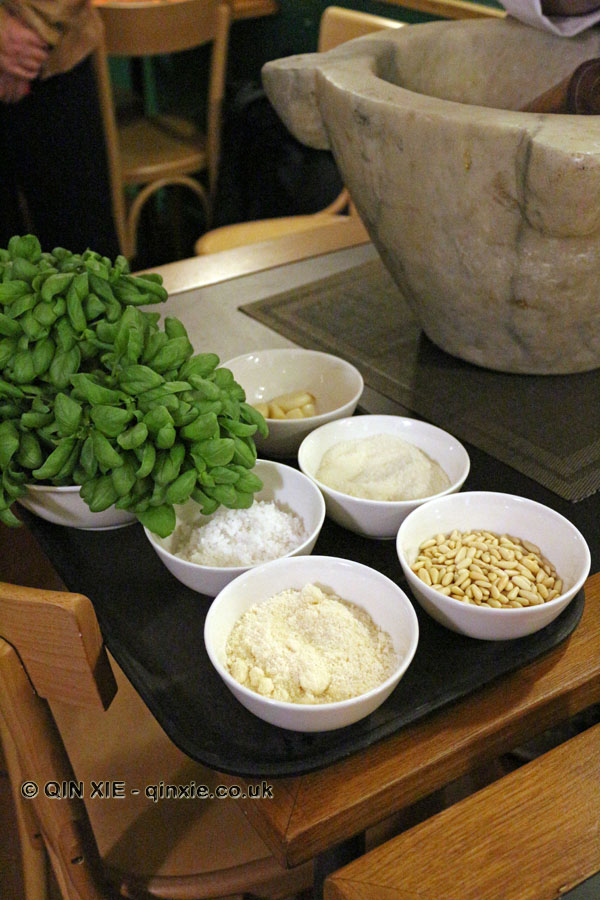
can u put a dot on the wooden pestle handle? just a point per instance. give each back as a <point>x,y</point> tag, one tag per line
<point>579,94</point>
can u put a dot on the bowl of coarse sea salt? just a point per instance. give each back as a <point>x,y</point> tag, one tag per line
<point>206,552</point>
<point>311,643</point>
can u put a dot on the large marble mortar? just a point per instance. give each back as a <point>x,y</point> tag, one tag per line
<point>487,218</point>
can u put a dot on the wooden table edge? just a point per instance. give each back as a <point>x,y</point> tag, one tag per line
<point>215,268</point>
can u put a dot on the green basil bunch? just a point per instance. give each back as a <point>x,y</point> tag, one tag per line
<point>94,392</point>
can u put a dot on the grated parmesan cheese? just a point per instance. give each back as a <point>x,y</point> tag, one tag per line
<point>240,537</point>
<point>306,646</point>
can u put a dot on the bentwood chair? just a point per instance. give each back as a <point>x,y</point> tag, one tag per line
<point>337,26</point>
<point>149,152</point>
<point>531,834</point>
<point>58,693</point>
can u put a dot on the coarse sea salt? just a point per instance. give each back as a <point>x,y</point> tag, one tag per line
<point>240,537</point>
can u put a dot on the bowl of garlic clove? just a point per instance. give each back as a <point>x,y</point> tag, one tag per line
<point>297,391</point>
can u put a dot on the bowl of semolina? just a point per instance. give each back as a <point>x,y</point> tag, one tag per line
<point>373,470</point>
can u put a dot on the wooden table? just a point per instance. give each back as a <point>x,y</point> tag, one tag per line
<point>532,835</point>
<point>318,813</point>
<point>312,813</point>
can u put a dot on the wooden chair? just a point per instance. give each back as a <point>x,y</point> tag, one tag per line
<point>532,834</point>
<point>153,152</point>
<point>63,721</point>
<point>337,26</point>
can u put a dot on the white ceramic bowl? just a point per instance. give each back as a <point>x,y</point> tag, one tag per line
<point>64,506</point>
<point>387,604</point>
<point>264,374</point>
<point>559,541</point>
<point>289,488</point>
<point>381,518</point>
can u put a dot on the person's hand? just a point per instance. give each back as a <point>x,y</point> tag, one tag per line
<point>22,50</point>
<point>13,88</point>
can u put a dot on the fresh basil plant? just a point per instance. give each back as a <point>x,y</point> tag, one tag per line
<point>94,392</point>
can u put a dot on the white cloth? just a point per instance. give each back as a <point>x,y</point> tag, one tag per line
<point>530,12</point>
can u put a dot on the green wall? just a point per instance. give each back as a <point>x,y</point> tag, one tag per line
<point>294,29</point>
<point>176,81</point>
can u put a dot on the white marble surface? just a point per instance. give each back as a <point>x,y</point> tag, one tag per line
<point>215,323</point>
<point>212,317</point>
<point>488,218</point>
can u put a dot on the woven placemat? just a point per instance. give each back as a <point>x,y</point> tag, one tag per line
<point>547,426</point>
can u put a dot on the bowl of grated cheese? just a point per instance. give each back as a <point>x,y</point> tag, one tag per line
<point>374,470</point>
<point>206,552</point>
<point>311,643</point>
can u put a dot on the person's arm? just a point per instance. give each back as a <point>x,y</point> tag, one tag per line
<point>22,50</point>
<point>47,18</point>
<point>22,54</point>
<point>13,88</point>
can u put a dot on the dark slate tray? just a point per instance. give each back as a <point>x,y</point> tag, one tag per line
<point>153,626</point>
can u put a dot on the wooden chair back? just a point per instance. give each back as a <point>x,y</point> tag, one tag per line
<point>339,25</point>
<point>164,26</point>
<point>140,29</point>
<point>51,649</point>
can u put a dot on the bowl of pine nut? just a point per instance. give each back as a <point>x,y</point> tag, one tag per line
<point>296,390</point>
<point>492,566</point>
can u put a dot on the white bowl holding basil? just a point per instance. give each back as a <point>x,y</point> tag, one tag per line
<point>64,506</point>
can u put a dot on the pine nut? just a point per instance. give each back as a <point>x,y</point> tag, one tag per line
<point>532,596</point>
<point>424,576</point>
<point>502,583</point>
<point>521,581</point>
